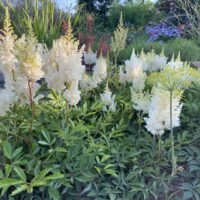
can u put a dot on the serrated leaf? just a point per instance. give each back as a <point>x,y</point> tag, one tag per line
<point>54,194</point>
<point>87,189</point>
<point>20,173</point>
<point>17,152</point>
<point>111,172</point>
<point>104,158</point>
<point>19,189</point>
<point>7,182</point>
<point>54,176</point>
<point>8,169</point>
<point>7,150</point>
<point>38,183</point>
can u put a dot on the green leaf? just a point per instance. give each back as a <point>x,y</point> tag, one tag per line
<point>104,158</point>
<point>54,194</point>
<point>19,189</point>
<point>87,189</point>
<point>8,169</point>
<point>187,195</point>
<point>17,152</point>
<point>37,183</point>
<point>20,173</point>
<point>7,150</point>
<point>4,190</point>
<point>42,174</point>
<point>7,182</point>
<point>111,172</point>
<point>54,176</point>
<point>43,143</point>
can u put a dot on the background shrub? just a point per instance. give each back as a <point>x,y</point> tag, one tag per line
<point>188,49</point>
<point>134,15</point>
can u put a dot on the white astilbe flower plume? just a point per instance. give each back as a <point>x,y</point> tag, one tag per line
<point>100,69</point>
<point>72,94</point>
<point>90,57</point>
<point>134,72</point>
<point>153,62</point>
<point>6,99</point>
<point>108,100</point>
<point>89,82</point>
<point>29,57</point>
<point>8,60</point>
<point>29,54</point>
<point>159,112</point>
<point>141,100</point>
<point>64,62</point>
<point>175,63</point>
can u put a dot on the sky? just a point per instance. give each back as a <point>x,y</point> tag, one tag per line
<point>72,3</point>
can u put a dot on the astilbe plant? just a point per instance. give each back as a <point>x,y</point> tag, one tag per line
<point>29,54</point>
<point>172,80</point>
<point>91,137</point>
<point>162,102</point>
<point>63,69</point>
<point>118,41</point>
<point>21,63</point>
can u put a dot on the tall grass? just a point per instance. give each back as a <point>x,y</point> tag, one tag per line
<point>46,19</point>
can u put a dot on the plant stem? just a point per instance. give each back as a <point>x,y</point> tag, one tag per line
<point>172,138</point>
<point>30,85</point>
<point>66,111</point>
<point>140,121</point>
<point>116,56</point>
<point>159,146</point>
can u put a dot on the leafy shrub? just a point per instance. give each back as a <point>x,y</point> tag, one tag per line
<point>45,18</point>
<point>188,49</point>
<point>134,15</point>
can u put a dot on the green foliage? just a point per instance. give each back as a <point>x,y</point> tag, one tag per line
<point>45,18</point>
<point>95,154</point>
<point>98,7</point>
<point>188,49</point>
<point>135,15</point>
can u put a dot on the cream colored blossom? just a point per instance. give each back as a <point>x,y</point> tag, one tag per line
<point>89,82</point>
<point>29,58</point>
<point>72,94</point>
<point>175,63</point>
<point>141,100</point>
<point>159,112</point>
<point>90,57</point>
<point>108,100</point>
<point>100,69</point>
<point>153,62</point>
<point>64,63</point>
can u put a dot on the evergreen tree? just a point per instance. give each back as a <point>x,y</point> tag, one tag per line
<point>99,7</point>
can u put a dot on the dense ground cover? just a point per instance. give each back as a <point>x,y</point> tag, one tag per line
<point>94,129</point>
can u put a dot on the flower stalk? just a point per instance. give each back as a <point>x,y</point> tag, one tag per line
<point>172,136</point>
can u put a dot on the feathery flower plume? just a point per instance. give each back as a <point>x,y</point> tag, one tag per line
<point>8,60</point>
<point>108,100</point>
<point>29,69</point>
<point>159,112</point>
<point>141,100</point>
<point>63,65</point>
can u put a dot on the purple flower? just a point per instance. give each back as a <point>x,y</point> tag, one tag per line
<point>162,30</point>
